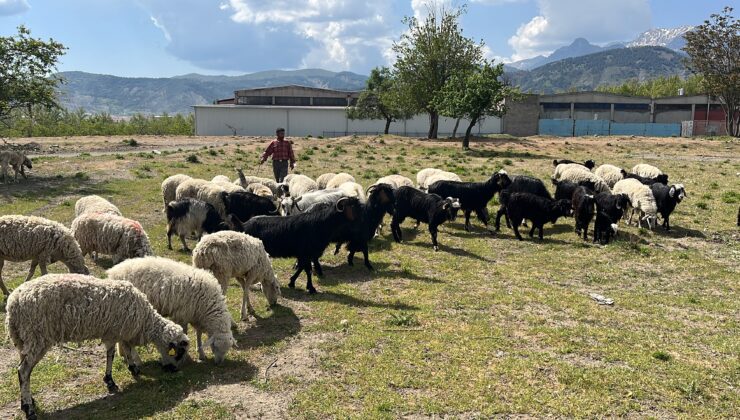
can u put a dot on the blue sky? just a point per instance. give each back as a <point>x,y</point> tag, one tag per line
<point>163,38</point>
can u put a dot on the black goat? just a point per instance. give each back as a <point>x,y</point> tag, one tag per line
<point>667,198</point>
<point>538,210</point>
<point>190,215</point>
<point>609,210</point>
<point>304,236</point>
<point>583,209</point>
<point>660,179</point>
<point>520,184</point>
<point>473,196</point>
<point>245,205</point>
<point>423,207</point>
<point>589,163</point>
<point>604,228</point>
<point>564,189</point>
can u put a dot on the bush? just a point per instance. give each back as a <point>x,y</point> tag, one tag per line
<point>130,142</point>
<point>192,159</point>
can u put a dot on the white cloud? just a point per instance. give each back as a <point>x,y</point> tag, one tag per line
<point>161,27</point>
<point>13,7</point>
<point>561,21</point>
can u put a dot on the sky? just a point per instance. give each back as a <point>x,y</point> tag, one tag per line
<point>164,38</point>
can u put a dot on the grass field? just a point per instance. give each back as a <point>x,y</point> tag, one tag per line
<point>487,326</point>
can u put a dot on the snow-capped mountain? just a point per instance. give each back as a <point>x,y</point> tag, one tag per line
<point>662,37</point>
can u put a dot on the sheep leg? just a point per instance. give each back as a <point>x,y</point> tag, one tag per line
<point>246,303</point>
<point>110,352</point>
<point>396,228</point>
<point>131,357</point>
<point>295,275</point>
<point>467,220</point>
<point>433,232</point>
<point>42,267</point>
<point>23,172</point>
<point>666,223</point>
<point>585,232</point>
<point>515,226</point>
<point>483,216</point>
<point>366,257</point>
<point>199,344</point>
<point>6,292</point>
<point>540,227</point>
<point>32,271</point>
<point>317,266</point>
<point>307,267</point>
<point>184,244</point>
<point>531,231</point>
<point>28,362</point>
<point>337,248</point>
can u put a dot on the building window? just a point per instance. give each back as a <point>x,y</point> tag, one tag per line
<point>632,107</point>
<point>591,105</point>
<point>323,101</point>
<point>556,105</point>
<point>293,100</point>
<point>254,100</point>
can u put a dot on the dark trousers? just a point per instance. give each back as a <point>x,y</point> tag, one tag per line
<point>280,169</point>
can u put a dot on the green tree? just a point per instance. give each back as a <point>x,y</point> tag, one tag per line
<point>714,52</point>
<point>429,54</point>
<point>27,66</point>
<point>475,95</point>
<point>381,100</point>
<point>659,87</point>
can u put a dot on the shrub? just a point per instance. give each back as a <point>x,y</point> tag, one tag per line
<point>192,159</point>
<point>131,142</point>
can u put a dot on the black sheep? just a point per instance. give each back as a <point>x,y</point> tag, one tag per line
<point>609,210</point>
<point>661,179</point>
<point>564,189</point>
<point>423,207</point>
<point>604,228</point>
<point>520,184</point>
<point>667,198</point>
<point>245,205</point>
<point>583,209</point>
<point>589,163</point>
<point>473,196</point>
<point>190,215</point>
<point>538,210</point>
<point>304,236</point>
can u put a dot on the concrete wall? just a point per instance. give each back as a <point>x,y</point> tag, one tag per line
<point>631,116</point>
<point>673,116</point>
<point>522,116</point>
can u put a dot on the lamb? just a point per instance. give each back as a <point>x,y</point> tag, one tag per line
<point>16,160</point>
<point>58,308</point>
<point>588,164</point>
<point>564,189</point>
<point>647,171</point>
<point>441,176</point>
<point>338,180</point>
<point>604,228</point>
<point>40,240</point>
<point>245,205</point>
<point>609,209</point>
<point>423,207</point>
<point>538,210</point>
<point>323,179</point>
<point>304,236</point>
<point>209,192</point>
<point>473,196</point>
<point>641,200</point>
<point>520,183</point>
<point>353,189</point>
<point>169,187</point>
<point>661,179</point>
<point>395,181</point>
<point>185,294</point>
<point>666,199</point>
<point>233,254</point>
<point>295,205</point>
<point>610,174</point>
<point>578,175</point>
<point>117,236</point>
<point>190,215</point>
<point>95,204</point>
<point>583,202</point>
<point>301,184</point>
<point>245,181</point>
<point>221,178</point>
<point>559,169</point>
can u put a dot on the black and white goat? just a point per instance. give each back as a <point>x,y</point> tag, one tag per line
<point>190,215</point>
<point>660,179</point>
<point>473,196</point>
<point>667,198</point>
<point>520,184</point>
<point>583,202</point>
<point>589,163</point>
<point>423,207</point>
<point>609,209</point>
<point>538,210</point>
<point>245,205</point>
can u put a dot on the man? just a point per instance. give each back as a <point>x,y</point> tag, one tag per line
<point>282,155</point>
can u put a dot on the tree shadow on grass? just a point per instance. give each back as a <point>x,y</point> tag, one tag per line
<point>50,187</point>
<point>281,324</point>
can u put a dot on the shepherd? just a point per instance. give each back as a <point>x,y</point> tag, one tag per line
<point>281,151</point>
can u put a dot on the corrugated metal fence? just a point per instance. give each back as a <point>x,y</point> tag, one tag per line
<point>570,128</point>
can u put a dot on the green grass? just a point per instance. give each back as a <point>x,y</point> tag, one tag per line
<point>488,326</point>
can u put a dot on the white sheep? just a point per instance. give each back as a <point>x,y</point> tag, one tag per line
<point>395,181</point>
<point>422,175</point>
<point>353,189</point>
<point>169,186</point>
<point>244,181</point>
<point>229,187</point>
<point>259,189</point>
<point>59,308</point>
<point>338,180</point>
<point>40,240</point>
<point>186,295</point>
<point>576,175</point>
<point>95,204</point>
<point>288,177</point>
<point>610,174</point>
<point>647,171</point>
<point>209,192</point>
<point>119,237</point>
<point>323,179</point>
<point>641,200</point>
<point>558,172</point>
<point>230,254</point>
<point>301,184</point>
<point>441,176</point>
<point>221,178</point>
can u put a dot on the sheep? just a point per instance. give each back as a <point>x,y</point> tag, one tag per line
<point>244,181</point>
<point>246,205</point>
<point>578,175</point>
<point>604,227</point>
<point>609,209</point>
<point>647,171</point>
<point>441,176</point>
<point>58,308</point>
<point>661,179</point>
<point>95,204</point>
<point>288,177</point>
<point>304,236</point>
<point>17,161</point>
<point>186,295</point>
<point>610,174</point>
<point>294,205</point>
<point>190,215</point>
<point>209,192</point>
<point>588,164</point>
<point>423,207</point>
<point>538,210</point>
<point>353,189</point>
<point>666,199</point>
<point>323,179</point>
<point>422,175</point>
<point>564,189</point>
<point>231,187</point>
<point>559,169</point>
<point>473,196</point>
<point>117,236</point>
<point>395,181</point>
<point>221,178</point>
<point>259,189</point>
<point>641,200</point>
<point>301,184</point>
<point>582,203</point>
<point>338,180</point>
<point>40,240</point>
<point>169,187</point>
<point>230,254</point>
<point>520,183</point>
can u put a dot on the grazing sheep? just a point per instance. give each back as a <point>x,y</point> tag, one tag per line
<point>260,190</point>
<point>323,179</point>
<point>301,184</point>
<point>40,240</point>
<point>641,200</point>
<point>579,175</point>
<point>583,203</point>
<point>117,236</point>
<point>59,308</point>
<point>564,189</point>
<point>95,204</point>
<point>609,210</point>
<point>473,196</point>
<point>520,183</point>
<point>559,169</point>
<point>666,199</point>
<point>231,187</point>
<point>422,175</point>
<point>441,176</point>
<point>169,187</point>
<point>288,177</point>
<point>604,227</point>
<point>395,181</point>
<point>353,189</point>
<point>245,205</point>
<point>588,164</point>
<point>221,178</point>
<point>190,215</point>
<point>424,208</point>
<point>661,179</point>
<point>186,295</point>
<point>538,210</point>
<point>244,181</point>
<point>647,171</point>
<point>233,254</point>
<point>209,192</point>
<point>338,180</point>
<point>16,160</point>
<point>610,174</point>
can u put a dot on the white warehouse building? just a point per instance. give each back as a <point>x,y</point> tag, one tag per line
<point>305,111</point>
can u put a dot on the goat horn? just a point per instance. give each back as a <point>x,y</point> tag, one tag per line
<point>341,200</point>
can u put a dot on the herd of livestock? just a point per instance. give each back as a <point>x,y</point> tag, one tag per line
<point>239,225</point>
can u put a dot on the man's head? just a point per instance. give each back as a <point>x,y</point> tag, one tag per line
<point>280,133</point>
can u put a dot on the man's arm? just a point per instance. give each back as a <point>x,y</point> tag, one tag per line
<point>268,152</point>
<point>292,156</point>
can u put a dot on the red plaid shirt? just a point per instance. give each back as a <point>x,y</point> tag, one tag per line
<point>280,150</point>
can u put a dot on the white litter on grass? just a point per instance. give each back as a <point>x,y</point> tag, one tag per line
<point>156,152</point>
<point>601,300</point>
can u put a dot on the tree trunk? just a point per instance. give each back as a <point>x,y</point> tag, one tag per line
<point>388,122</point>
<point>433,124</point>
<point>30,121</point>
<point>466,140</point>
<point>454,130</point>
